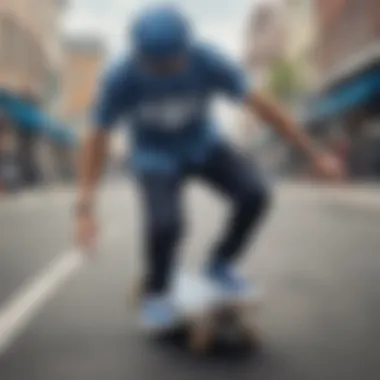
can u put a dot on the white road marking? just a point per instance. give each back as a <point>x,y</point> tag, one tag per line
<point>20,309</point>
<point>16,314</point>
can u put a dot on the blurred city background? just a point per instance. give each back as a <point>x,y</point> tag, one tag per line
<point>318,256</point>
<point>319,58</point>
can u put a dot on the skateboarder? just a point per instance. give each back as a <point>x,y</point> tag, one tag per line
<point>164,88</point>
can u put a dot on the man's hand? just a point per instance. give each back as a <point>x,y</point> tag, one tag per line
<point>85,233</point>
<point>326,166</point>
<point>329,167</point>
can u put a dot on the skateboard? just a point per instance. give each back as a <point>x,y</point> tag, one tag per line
<point>208,318</point>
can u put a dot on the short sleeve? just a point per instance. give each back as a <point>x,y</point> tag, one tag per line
<point>226,76</point>
<point>109,105</point>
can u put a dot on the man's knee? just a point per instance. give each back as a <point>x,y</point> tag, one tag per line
<point>255,200</point>
<point>166,227</point>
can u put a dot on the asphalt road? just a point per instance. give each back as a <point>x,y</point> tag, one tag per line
<point>318,258</point>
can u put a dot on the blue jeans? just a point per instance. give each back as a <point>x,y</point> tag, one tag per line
<point>226,171</point>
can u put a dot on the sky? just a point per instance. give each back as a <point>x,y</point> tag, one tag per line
<point>218,21</point>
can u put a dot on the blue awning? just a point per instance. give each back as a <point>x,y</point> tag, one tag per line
<point>24,115</point>
<point>59,133</point>
<point>29,118</point>
<point>352,94</point>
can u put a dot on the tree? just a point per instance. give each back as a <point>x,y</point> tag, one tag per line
<point>284,80</point>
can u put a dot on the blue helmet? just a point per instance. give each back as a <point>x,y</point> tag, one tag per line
<point>161,32</point>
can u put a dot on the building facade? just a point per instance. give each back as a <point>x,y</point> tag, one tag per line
<point>264,44</point>
<point>30,48</point>
<point>346,112</point>
<point>265,40</point>
<point>83,63</point>
<point>283,30</point>
<point>31,57</point>
<point>348,36</point>
<point>301,29</point>
<point>280,47</point>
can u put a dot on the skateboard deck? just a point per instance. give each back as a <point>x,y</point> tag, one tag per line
<point>207,316</point>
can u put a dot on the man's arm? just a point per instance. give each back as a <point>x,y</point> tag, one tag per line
<point>108,107</point>
<point>273,114</point>
<point>278,118</point>
<point>91,162</point>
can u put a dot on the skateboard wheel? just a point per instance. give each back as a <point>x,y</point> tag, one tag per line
<point>250,336</point>
<point>200,340</point>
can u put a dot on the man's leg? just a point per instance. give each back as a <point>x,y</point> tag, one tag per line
<point>163,225</point>
<point>233,176</point>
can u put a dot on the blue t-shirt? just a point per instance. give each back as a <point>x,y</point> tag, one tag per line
<point>170,115</point>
